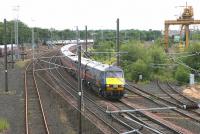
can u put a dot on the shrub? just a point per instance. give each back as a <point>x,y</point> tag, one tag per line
<point>182,75</point>
<point>139,68</point>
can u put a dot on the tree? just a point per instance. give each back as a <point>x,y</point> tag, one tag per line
<point>156,57</point>
<point>194,60</point>
<point>135,51</point>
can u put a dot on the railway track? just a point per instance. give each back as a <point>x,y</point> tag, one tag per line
<point>179,99</point>
<point>141,124</point>
<point>156,125</point>
<point>90,105</point>
<point>162,102</point>
<point>35,119</point>
<point>65,91</point>
<point>66,87</point>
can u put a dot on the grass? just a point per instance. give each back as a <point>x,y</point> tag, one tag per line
<point>21,64</point>
<point>143,82</point>
<point>3,124</point>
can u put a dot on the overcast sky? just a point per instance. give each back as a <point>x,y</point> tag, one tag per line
<point>96,14</point>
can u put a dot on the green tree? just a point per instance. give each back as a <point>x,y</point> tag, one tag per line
<point>135,50</point>
<point>156,57</point>
<point>104,46</point>
<point>194,60</point>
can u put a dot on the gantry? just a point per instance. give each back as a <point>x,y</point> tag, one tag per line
<point>185,20</point>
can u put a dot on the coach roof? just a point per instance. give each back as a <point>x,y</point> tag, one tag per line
<point>86,61</point>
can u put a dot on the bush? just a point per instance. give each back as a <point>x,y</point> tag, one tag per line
<point>139,68</point>
<point>182,75</point>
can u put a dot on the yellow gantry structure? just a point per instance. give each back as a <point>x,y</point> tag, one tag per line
<point>185,20</point>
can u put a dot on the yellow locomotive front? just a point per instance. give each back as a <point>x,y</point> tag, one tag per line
<point>114,84</point>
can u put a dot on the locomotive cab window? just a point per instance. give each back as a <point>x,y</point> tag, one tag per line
<point>114,74</point>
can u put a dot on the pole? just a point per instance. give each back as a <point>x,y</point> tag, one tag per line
<point>79,80</point>
<point>166,37</point>
<point>6,60</point>
<point>11,40</point>
<point>117,41</point>
<point>16,34</point>
<point>33,46</point>
<point>86,38</point>
<point>186,36</point>
<point>22,54</point>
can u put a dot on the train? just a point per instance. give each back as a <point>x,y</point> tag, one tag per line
<point>105,80</point>
<point>9,49</point>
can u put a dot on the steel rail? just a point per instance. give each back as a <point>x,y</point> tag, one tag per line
<point>172,88</point>
<point>41,105</point>
<point>27,127</point>
<point>92,101</point>
<point>180,111</point>
<point>27,106</point>
<point>113,116</point>
<point>141,122</point>
<point>174,98</point>
<point>62,94</point>
<point>26,101</point>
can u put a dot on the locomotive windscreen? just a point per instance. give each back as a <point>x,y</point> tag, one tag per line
<point>114,74</point>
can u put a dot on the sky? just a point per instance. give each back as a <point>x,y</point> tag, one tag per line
<point>96,14</point>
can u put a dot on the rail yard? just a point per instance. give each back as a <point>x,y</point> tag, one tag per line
<point>103,81</point>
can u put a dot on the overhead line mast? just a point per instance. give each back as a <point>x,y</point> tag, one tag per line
<point>79,80</point>
<point>6,58</point>
<point>117,42</point>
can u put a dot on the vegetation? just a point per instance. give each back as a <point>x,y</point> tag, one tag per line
<point>42,35</point>
<point>194,60</point>
<point>21,64</point>
<point>182,75</point>
<point>143,60</point>
<point>3,124</point>
<point>139,68</point>
<point>104,46</point>
<point>145,55</point>
<point>151,61</point>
